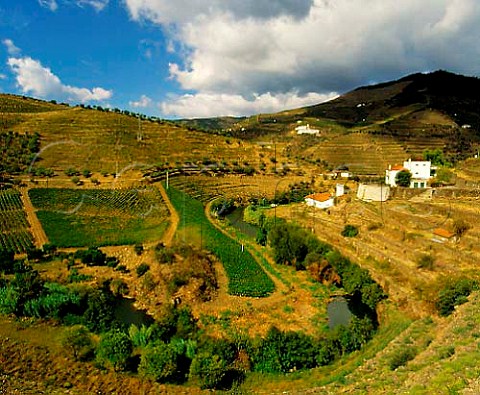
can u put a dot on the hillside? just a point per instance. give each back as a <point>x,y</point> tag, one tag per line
<point>109,141</point>
<point>74,151</point>
<point>400,119</point>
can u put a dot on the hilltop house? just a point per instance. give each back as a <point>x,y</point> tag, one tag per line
<point>421,171</point>
<point>305,129</point>
<point>320,200</point>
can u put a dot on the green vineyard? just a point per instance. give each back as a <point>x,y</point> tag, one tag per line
<point>99,217</point>
<point>15,234</point>
<point>245,276</point>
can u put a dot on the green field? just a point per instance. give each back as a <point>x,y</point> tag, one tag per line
<point>246,277</point>
<point>88,217</point>
<point>14,228</point>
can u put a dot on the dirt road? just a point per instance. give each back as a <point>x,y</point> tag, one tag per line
<point>174,219</point>
<point>39,235</point>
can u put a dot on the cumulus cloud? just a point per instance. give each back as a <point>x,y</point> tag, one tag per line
<point>260,46</point>
<point>144,102</point>
<point>184,11</point>
<point>202,105</point>
<point>12,49</point>
<point>50,4</point>
<point>98,5</point>
<point>33,78</point>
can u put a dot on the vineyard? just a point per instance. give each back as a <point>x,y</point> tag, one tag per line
<point>88,217</point>
<point>246,277</point>
<point>14,227</point>
<point>239,188</point>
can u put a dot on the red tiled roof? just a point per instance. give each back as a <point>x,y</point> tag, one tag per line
<point>319,197</point>
<point>443,233</point>
<point>398,167</point>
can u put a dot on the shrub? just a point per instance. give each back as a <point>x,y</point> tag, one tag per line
<point>350,231</point>
<point>164,254</point>
<point>142,269</point>
<point>159,362</point>
<point>401,357</point>
<point>119,287</point>
<point>454,293</point>
<point>114,349</point>
<point>460,227</point>
<point>208,370</point>
<point>138,248</point>
<point>79,341</point>
<point>403,178</point>
<point>425,261</point>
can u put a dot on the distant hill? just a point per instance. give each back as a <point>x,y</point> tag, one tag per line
<point>365,129</point>
<point>454,95</point>
<point>375,125</point>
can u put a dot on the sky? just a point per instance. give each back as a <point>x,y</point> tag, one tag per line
<point>205,58</point>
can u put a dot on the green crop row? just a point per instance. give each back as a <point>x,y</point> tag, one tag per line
<point>245,275</point>
<point>128,201</point>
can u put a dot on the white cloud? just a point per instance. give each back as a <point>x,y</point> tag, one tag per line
<point>260,46</point>
<point>210,104</point>
<point>98,5</point>
<point>144,102</point>
<point>35,79</point>
<point>3,77</point>
<point>50,4</point>
<point>12,49</point>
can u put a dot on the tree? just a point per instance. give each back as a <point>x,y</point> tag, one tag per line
<point>208,369</point>
<point>460,227</point>
<point>403,178</point>
<point>114,349</point>
<point>159,362</point>
<point>78,340</point>
<point>7,259</point>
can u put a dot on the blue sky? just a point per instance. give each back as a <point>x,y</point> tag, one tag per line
<point>198,58</point>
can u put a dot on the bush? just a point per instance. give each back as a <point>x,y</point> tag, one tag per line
<point>454,293</point>
<point>142,269</point>
<point>350,231</point>
<point>114,349</point>
<point>159,362</point>
<point>401,357</point>
<point>7,258</point>
<point>403,178</point>
<point>79,341</point>
<point>208,370</point>
<point>164,254</point>
<point>426,261</point>
<point>138,248</point>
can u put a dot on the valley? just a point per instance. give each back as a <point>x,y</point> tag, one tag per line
<point>102,205</point>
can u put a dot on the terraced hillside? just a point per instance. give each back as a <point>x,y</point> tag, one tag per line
<point>108,141</point>
<point>363,153</point>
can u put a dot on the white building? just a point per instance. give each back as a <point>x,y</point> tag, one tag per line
<point>305,129</point>
<point>339,190</point>
<point>320,200</point>
<point>419,169</point>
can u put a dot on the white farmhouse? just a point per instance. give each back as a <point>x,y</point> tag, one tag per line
<point>320,200</point>
<point>305,129</point>
<point>420,170</point>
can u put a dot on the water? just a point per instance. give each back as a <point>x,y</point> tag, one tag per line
<point>338,312</point>
<point>128,314</point>
<point>236,220</point>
